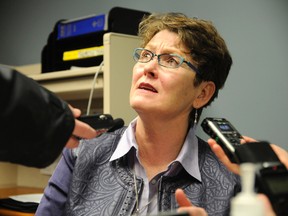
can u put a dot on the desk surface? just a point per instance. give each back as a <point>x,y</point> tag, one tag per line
<point>6,192</point>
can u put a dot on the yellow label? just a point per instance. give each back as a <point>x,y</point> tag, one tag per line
<point>83,53</point>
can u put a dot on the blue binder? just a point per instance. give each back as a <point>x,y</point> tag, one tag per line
<point>80,26</point>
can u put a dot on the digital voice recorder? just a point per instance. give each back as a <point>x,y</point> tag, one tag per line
<point>225,135</point>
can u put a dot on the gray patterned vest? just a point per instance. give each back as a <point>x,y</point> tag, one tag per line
<point>100,187</point>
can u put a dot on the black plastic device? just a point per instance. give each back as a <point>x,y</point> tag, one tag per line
<point>271,174</point>
<point>102,122</point>
<point>225,135</point>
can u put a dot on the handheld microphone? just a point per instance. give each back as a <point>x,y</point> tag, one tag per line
<point>102,122</point>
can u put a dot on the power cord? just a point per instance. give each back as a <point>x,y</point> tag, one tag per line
<point>93,86</point>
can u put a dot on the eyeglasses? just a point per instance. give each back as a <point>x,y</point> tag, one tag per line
<point>166,60</point>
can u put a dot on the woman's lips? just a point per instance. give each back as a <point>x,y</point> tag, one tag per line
<point>147,86</point>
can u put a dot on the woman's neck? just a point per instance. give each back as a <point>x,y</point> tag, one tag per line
<point>159,143</point>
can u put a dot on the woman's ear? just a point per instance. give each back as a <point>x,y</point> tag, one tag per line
<point>205,92</point>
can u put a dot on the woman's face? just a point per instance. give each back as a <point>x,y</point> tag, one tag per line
<point>159,90</point>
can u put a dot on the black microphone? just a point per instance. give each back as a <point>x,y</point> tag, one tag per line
<point>102,122</point>
<point>118,123</point>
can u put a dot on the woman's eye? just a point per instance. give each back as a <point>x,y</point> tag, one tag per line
<point>145,55</point>
<point>171,60</point>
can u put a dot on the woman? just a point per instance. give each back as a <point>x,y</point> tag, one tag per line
<point>180,68</point>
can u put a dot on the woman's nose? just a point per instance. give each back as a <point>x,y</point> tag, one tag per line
<point>151,68</point>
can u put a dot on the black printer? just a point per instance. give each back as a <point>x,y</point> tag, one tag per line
<point>79,42</point>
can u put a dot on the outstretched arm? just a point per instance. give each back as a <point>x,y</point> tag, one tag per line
<point>35,123</point>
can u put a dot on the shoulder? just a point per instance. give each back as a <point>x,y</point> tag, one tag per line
<point>212,167</point>
<point>205,154</point>
<point>100,148</point>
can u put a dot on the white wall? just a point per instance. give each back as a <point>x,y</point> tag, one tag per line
<point>255,97</point>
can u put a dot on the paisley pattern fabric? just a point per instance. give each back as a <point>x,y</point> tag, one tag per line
<point>100,187</point>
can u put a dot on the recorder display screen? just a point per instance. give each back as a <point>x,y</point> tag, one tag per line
<point>225,127</point>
